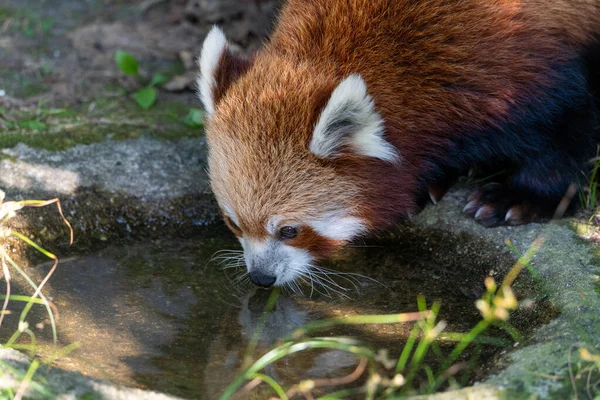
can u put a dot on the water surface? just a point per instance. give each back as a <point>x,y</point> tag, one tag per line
<point>160,315</point>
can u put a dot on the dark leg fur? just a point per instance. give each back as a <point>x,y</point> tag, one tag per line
<point>534,190</point>
<point>543,151</point>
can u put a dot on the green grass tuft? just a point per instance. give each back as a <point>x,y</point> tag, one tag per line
<point>588,194</point>
<point>112,118</point>
<point>8,210</point>
<point>377,375</point>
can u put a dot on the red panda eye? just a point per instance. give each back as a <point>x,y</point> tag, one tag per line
<point>288,232</point>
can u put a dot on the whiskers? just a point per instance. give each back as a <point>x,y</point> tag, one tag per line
<point>321,280</point>
<point>233,261</point>
<point>293,287</point>
<point>229,258</point>
<point>330,283</point>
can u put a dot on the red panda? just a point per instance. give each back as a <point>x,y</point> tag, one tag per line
<point>355,109</point>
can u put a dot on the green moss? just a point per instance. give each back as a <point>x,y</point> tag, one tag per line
<point>88,396</point>
<point>27,22</point>
<point>47,141</point>
<point>51,129</point>
<point>5,13</point>
<point>171,111</point>
<point>23,85</point>
<point>4,156</point>
<point>120,119</point>
<point>165,120</point>
<point>32,88</point>
<point>171,115</point>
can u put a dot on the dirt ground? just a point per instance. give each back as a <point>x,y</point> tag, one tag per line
<point>67,111</point>
<point>57,67</point>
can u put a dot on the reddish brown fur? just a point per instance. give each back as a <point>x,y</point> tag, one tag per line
<point>576,21</point>
<point>318,246</point>
<point>492,53</point>
<point>263,171</point>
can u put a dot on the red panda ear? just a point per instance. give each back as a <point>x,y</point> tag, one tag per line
<point>350,123</point>
<point>219,68</point>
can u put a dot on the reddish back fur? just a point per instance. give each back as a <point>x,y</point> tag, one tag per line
<point>435,68</point>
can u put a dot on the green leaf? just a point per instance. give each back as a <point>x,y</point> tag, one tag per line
<point>126,63</point>
<point>145,97</point>
<point>29,29</point>
<point>35,125</point>
<point>158,79</point>
<point>46,25</point>
<point>194,118</point>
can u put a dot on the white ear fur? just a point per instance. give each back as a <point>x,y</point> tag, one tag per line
<point>350,119</point>
<point>212,50</point>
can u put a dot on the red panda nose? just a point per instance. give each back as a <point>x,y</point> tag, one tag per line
<point>260,279</point>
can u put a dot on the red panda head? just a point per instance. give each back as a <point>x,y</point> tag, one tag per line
<point>291,149</point>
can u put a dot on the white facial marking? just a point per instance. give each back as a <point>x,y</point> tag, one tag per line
<point>273,224</point>
<point>300,262</point>
<point>254,246</point>
<point>338,226</point>
<point>350,118</point>
<point>212,49</point>
<point>272,257</point>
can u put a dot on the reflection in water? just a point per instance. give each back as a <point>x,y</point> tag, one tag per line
<point>162,317</point>
<point>282,320</point>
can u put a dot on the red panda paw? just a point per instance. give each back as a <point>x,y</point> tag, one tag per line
<point>520,214</point>
<point>493,205</point>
